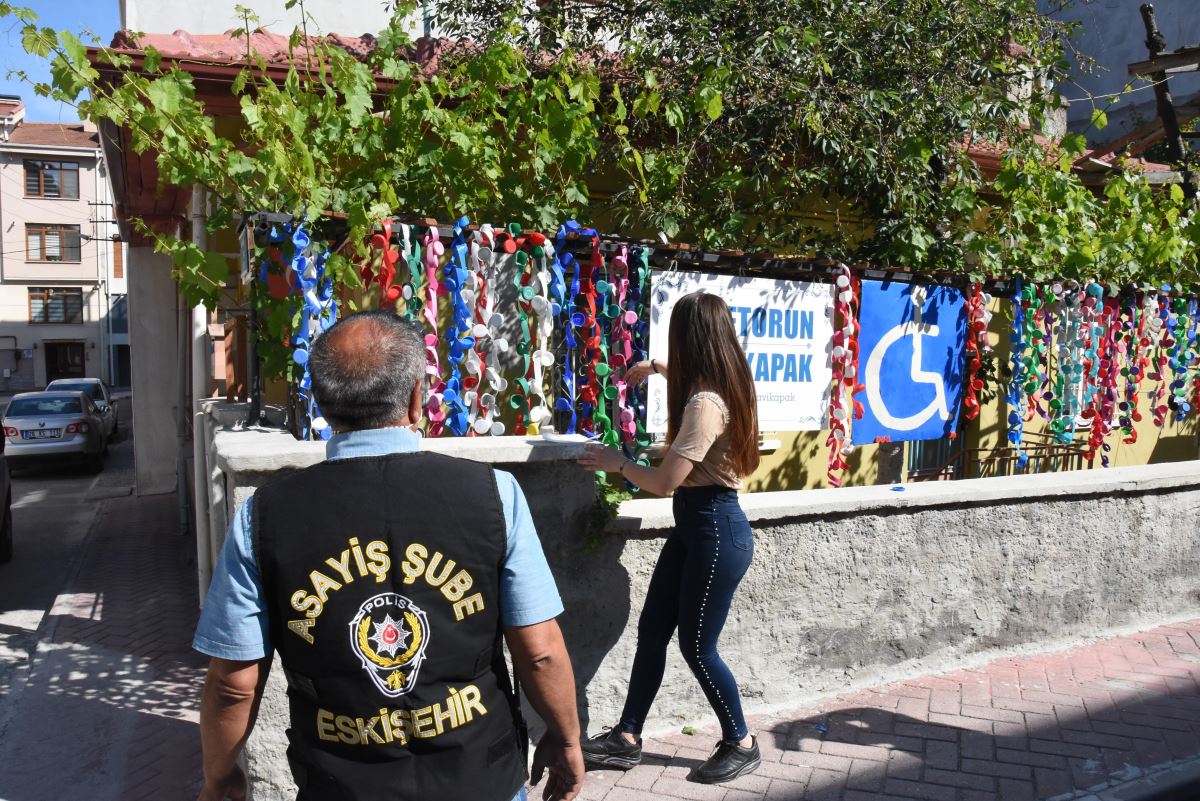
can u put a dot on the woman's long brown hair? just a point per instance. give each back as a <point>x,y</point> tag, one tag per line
<point>705,355</point>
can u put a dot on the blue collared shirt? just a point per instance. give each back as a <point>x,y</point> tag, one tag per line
<point>233,623</point>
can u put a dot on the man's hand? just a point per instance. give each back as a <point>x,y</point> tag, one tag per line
<point>564,762</point>
<point>232,788</point>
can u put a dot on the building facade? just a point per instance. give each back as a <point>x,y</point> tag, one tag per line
<point>63,309</point>
<point>1110,36</point>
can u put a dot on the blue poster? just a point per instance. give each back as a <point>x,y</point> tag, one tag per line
<point>910,359</point>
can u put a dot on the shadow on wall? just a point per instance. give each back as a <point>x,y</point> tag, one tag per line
<point>593,584</point>
<point>793,471</point>
<point>1176,448</point>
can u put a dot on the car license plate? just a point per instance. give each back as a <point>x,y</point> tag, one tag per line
<point>43,433</point>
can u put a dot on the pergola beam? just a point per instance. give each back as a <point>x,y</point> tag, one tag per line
<point>1185,59</point>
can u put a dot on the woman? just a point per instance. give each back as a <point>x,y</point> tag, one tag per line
<point>712,430</point>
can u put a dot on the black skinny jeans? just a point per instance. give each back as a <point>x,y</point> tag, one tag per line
<point>700,567</point>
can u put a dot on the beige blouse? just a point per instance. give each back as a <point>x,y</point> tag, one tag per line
<point>702,440</point>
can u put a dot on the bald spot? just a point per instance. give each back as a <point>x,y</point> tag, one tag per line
<point>355,346</point>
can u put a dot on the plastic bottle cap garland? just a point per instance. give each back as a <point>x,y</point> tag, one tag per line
<point>1079,352</point>
<point>842,406</point>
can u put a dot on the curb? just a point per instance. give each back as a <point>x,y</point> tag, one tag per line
<point>1177,781</point>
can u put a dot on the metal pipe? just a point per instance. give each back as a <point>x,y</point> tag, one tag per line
<point>181,412</point>
<point>200,378</point>
<point>101,276</point>
<point>253,380</point>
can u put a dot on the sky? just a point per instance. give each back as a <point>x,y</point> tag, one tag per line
<point>101,17</point>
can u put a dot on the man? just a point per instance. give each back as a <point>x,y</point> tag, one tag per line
<point>385,578</point>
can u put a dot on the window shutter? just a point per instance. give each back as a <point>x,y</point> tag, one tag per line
<point>33,179</point>
<point>37,305</point>
<point>53,239</point>
<point>33,244</point>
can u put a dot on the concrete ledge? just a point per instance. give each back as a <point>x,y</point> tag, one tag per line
<point>654,514</point>
<point>262,450</point>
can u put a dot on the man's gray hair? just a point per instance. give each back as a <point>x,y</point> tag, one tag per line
<point>364,369</point>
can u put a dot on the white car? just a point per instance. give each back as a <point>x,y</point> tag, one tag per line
<point>100,394</point>
<point>54,427</point>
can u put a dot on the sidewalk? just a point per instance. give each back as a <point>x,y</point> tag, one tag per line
<point>110,708</point>
<point>1069,724</point>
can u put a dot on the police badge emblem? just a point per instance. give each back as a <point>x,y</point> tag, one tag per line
<point>389,634</point>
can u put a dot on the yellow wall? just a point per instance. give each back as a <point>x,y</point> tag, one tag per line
<point>801,463</point>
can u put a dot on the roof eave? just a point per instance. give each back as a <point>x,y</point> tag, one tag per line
<point>71,150</point>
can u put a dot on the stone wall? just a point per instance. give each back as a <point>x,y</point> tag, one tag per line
<point>847,586</point>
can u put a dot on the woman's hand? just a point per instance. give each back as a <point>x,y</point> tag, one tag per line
<point>599,457</point>
<point>637,373</point>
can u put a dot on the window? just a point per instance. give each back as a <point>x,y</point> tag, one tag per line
<point>51,242</point>
<point>44,405</point>
<point>119,316</point>
<point>52,179</point>
<point>90,388</point>
<point>118,259</point>
<point>55,305</point>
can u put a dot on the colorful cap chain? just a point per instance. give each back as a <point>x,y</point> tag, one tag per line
<point>842,406</point>
<point>1078,357</point>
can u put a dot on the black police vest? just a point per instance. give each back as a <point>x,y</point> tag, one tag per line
<point>382,578</point>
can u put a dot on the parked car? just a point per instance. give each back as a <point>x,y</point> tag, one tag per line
<point>6,533</point>
<point>99,392</point>
<point>54,426</point>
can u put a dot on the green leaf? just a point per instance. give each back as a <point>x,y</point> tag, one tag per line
<point>674,114</point>
<point>1074,143</point>
<point>165,95</point>
<point>1099,119</point>
<point>151,59</point>
<point>250,112</point>
<point>714,106</point>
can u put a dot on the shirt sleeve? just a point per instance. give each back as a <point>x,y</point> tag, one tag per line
<point>528,594</point>
<point>703,421</point>
<point>233,623</point>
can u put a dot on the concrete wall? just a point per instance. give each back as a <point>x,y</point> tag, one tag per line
<point>349,17</point>
<point>155,360</point>
<point>847,586</point>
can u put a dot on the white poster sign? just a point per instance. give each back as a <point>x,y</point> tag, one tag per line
<point>785,327</point>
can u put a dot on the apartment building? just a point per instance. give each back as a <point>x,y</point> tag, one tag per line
<point>63,304</point>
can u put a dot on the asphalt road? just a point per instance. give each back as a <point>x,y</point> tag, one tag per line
<point>53,509</point>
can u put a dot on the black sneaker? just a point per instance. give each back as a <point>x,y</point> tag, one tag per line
<point>728,761</point>
<point>611,750</point>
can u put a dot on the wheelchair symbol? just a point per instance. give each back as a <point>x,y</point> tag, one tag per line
<point>918,331</point>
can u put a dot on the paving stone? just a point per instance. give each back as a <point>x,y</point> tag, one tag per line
<point>1033,727</point>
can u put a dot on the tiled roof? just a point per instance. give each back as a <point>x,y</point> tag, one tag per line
<point>229,47</point>
<point>53,134</point>
<point>9,108</point>
<point>983,149</point>
<point>1133,164</point>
